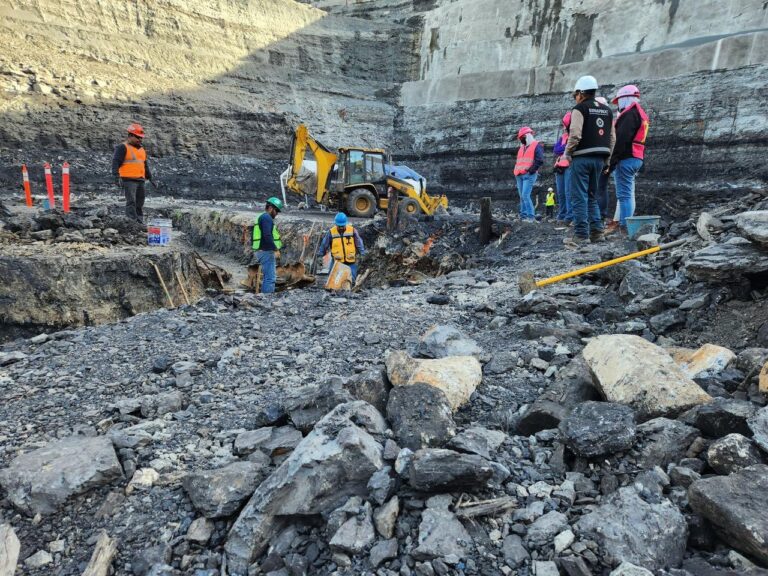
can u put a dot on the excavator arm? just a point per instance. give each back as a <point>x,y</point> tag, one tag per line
<point>325,159</point>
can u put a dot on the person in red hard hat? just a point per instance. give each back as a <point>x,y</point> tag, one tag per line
<point>629,153</point>
<point>130,170</point>
<point>530,157</point>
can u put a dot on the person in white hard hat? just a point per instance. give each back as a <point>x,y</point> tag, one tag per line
<point>590,144</point>
<point>602,185</point>
<point>629,153</point>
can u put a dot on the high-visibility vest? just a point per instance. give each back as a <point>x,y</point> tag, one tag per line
<point>257,234</point>
<point>550,199</point>
<point>133,166</point>
<point>525,156</point>
<point>343,246</point>
<point>638,141</point>
<point>562,161</point>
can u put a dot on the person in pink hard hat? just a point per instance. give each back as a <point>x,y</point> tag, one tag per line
<point>562,174</point>
<point>530,157</point>
<point>629,153</point>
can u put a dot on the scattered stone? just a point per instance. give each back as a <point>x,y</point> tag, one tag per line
<point>143,479</point>
<point>563,541</point>
<point>437,469</point>
<point>270,440</point>
<point>456,376</point>
<point>441,534</point>
<point>720,417</point>
<point>732,453</point>
<point>420,416</point>
<point>478,440</point>
<point>599,428</point>
<point>544,529</point>
<point>157,405</point>
<point>8,358</point>
<point>356,534</point>
<point>200,531</point>
<point>305,406</point>
<point>9,550</point>
<point>735,505</point>
<point>545,568</point>
<point>39,482</point>
<point>383,551</point>
<point>438,299</point>
<point>372,387</point>
<point>221,492</point>
<point>575,565</point>
<point>682,476</point>
<point>385,517</point>
<point>38,559</point>
<point>628,569</point>
<point>648,241</point>
<point>629,528</point>
<point>632,371</point>
<point>663,441</point>
<point>515,554</point>
<point>758,425</point>
<point>142,562</point>
<point>754,226</point>
<point>444,341</point>
<point>727,262</point>
<point>335,461</point>
<point>382,485</point>
<point>708,361</point>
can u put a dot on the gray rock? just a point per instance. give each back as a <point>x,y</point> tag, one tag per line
<point>731,453</point>
<point>478,440</point>
<point>662,323</point>
<point>382,485</point>
<point>335,461</point>
<point>441,534</point>
<point>727,262</point>
<point>383,551</point>
<point>221,492</point>
<point>545,568</point>
<point>663,441</point>
<point>305,406</point>
<point>751,359</point>
<point>682,476</point>
<point>9,550</point>
<point>575,566</point>
<point>758,425</point>
<point>647,241</point>
<point>200,531</point>
<point>754,226</point>
<point>639,284</point>
<point>372,387</point>
<point>651,535</point>
<point>164,403</point>
<point>272,441</point>
<point>720,417</point>
<point>442,341</point>
<point>735,505</point>
<point>599,428</point>
<point>384,518</point>
<point>544,529</point>
<point>515,554</point>
<point>42,480</point>
<point>629,569</point>
<point>8,358</point>
<point>420,416</point>
<point>437,469</point>
<point>356,534</point>
<point>144,560</point>
<point>39,559</point>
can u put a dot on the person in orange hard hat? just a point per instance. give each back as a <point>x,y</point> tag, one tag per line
<point>131,170</point>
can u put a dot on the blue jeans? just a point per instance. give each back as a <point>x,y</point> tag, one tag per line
<point>585,178</point>
<point>353,267</point>
<point>562,183</point>
<point>624,179</point>
<point>266,260</point>
<point>525,184</point>
<point>602,195</point>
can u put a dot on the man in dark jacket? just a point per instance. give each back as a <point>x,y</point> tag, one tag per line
<point>267,243</point>
<point>130,170</point>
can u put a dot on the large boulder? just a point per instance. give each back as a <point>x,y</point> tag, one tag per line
<point>754,226</point>
<point>305,406</point>
<point>441,470</point>
<point>736,505</point>
<point>727,262</point>
<point>720,417</point>
<point>732,453</point>
<point>631,529</point>
<point>632,371</point>
<point>442,341</point>
<point>598,428</point>
<point>371,386</point>
<point>456,376</point>
<point>333,463</point>
<point>421,416</point>
<point>708,361</point>
<point>478,440</point>
<point>42,480</point>
<point>220,493</point>
<point>758,425</point>
<point>9,550</point>
<point>663,441</point>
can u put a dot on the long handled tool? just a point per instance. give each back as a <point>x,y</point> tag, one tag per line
<point>528,283</point>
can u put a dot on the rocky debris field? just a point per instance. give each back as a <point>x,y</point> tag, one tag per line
<point>438,424</point>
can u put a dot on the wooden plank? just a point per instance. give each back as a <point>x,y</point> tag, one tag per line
<point>162,283</point>
<point>486,220</point>
<point>102,556</point>
<point>181,285</point>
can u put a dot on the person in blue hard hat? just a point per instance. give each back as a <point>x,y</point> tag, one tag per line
<point>344,242</point>
<point>267,243</point>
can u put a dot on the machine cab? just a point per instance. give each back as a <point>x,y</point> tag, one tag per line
<point>362,168</point>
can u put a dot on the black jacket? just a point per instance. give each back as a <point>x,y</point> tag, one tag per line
<point>627,126</point>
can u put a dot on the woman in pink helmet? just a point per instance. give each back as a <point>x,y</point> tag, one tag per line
<point>530,157</point>
<point>562,174</point>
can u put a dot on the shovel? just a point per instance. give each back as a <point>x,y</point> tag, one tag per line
<point>528,283</point>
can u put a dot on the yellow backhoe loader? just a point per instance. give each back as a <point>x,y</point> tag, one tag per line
<point>354,180</point>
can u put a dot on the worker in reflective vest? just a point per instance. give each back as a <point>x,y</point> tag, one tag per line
<point>563,175</point>
<point>267,243</point>
<point>130,170</point>
<point>344,242</point>
<point>627,159</point>
<point>530,157</point>
<point>549,203</point>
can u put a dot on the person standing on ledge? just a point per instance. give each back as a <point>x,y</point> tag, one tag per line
<point>267,243</point>
<point>530,157</point>
<point>130,170</point>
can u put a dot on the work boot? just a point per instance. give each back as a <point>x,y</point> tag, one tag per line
<point>575,241</point>
<point>611,227</point>
<point>597,236</point>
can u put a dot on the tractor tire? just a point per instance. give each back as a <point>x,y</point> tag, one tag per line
<point>409,207</point>
<point>361,203</point>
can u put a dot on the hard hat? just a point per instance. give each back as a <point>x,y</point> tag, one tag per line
<point>585,83</point>
<point>628,90</point>
<point>523,131</point>
<point>341,219</point>
<point>602,100</point>
<point>136,130</point>
<point>567,119</point>
<point>276,202</point>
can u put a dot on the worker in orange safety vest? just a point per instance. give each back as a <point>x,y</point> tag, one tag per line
<point>131,170</point>
<point>530,157</point>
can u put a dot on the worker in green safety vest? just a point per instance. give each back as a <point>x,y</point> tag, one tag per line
<point>549,204</point>
<point>267,243</point>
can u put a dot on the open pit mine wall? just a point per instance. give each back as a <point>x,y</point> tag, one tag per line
<point>488,67</point>
<point>218,85</point>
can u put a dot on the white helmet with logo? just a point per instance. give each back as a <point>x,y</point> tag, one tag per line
<point>585,83</point>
